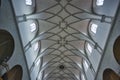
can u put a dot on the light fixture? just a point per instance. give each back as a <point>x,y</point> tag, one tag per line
<point>33,27</point>
<point>99,2</point>
<point>28,2</point>
<point>94,28</point>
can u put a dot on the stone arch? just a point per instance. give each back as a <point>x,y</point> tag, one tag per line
<point>6,45</point>
<point>109,74</point>
<point>116,49</point>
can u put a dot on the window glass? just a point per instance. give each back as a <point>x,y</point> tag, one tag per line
<point>89,47</point>
<point>99,2</point>
<point>38,62</point>
<point>86,66</point>
<point>83,77</point>
<point>36,46</point>
<point>28,2</point>
<point>94,28</point>
<point>32,27</point>
<point>79,65</point>
<point>40,76</point>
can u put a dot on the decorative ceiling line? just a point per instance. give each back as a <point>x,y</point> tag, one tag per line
<point>71,76</point>
<point>70,34</point>
<point>52,72</point>
<point>64,7</point>
<point>59,36</point>
<point>84,71</point>
<point>54,62</point>
<point>59,62</point>
<point>96,45</point>
<point>35,61</point>
<point>105,16</point>
<point>73,63</point>
<point>62,41</point>
<point>90,64</point>
<point>41,55</point>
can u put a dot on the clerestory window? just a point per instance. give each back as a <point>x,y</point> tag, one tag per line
<point>86,66</point>
<point>83,77</point>
<point>94,28</point>
<point>36,46</point>
<point>99,2</point>
<point>33,27</point>
<point>28,2</point>
<point>89,48</point>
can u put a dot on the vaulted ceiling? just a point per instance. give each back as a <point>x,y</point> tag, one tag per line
<point>64,39</point>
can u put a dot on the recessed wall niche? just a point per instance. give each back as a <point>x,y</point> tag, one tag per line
<point>116,49</point>
<point>109,74</point>
<point>6,46</point>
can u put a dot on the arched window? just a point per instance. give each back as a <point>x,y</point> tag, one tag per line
<point>39,76</point>
<point>36,46</point>
<point>83,77</point>
<point>38,62</point>
<point>94,28</point>
<point>89,48</point>
<point>99,2</point>
<point>28,2</point>
<point>86,66</point>
<point>33,27</point>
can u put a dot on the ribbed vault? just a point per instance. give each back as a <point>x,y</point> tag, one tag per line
<point>63,33</point>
